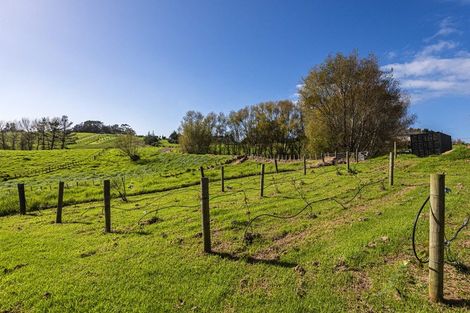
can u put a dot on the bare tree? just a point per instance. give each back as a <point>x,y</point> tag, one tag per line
<point>3,137</point>
<point>129,145</point>
<point>27,134</point>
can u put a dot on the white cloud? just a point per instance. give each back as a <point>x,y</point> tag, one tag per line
<point>436,70</point>
<point>425,75</point>
<point>437,47</point>
<point>446,28</point>
<point>391,55</point>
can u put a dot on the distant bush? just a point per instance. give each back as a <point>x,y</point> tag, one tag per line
<point>129,145</point>
<point>152,140</point>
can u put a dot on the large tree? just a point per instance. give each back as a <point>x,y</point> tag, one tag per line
<point>196,132</point>
<point>349,103</point>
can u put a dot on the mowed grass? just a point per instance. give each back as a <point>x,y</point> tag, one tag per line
<point>329,258</point>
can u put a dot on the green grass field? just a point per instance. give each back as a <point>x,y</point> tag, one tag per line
<point>351,254</point>
<point>93,141</point>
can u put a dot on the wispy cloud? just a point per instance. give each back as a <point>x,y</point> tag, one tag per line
<point>438,69</point>
<point>437,47</point>
<point>446,28</point>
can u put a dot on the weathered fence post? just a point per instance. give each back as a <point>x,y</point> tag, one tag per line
<point>357,155</point>
<point>275,165</point>
<point>22,198</point>
<point>305,166</point>
<point>60,202</point>
<point>395,149</point>
<point>107,206</point>
<point>222,180</point>
<point>202,171</point>
<point>347,161</point>
<point>436,237</point>
<point>206,222</point>
<point>261,187</point>
<point>391,169</point>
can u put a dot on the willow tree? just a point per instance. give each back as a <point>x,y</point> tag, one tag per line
<point>349,103</point>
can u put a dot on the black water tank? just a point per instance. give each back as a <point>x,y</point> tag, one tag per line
<point>429,143</point>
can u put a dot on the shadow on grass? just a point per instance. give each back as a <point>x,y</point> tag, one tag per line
<point>77,222</point>
<point>462,268</point>
<point>458,303</point>
<point>251,260</point>
<point>140,232</point>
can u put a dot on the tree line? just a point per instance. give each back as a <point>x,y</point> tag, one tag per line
<point>347,103</point>
<point>99,127</point>
<point>48,133</point>
<point>38,134</point>
<point>267,128</point>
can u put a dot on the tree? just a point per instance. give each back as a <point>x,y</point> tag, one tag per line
<point>54,127</point>
<point>66,131</point>
<point>3,135</point>
<point>129,145</point>
<point>196,133</point>
<point>99,127</point>
<point>349,103</point>
<point>28,134</point>
<point>12,129</point>
<point>41,126</point>
<point>151,139</point>
<point>173,138</point>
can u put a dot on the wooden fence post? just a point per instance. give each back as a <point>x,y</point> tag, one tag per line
<point>305,166</point>
<point>60,202</point>
<point>261,190</point>
<point>357,155</point>
<point>395,149</point>
<point>107,206</point>
<point>206,222</point>
<point>222,180</point>
<point>22,198</point>
<point>436,237</point>
<point>275,165</point>
<point>347,161</point>
<point>391,169</point>
<point>202,171</point>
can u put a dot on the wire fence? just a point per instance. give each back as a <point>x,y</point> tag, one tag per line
<point>242,191</point>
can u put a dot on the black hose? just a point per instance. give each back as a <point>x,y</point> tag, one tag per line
<point>413,236</point>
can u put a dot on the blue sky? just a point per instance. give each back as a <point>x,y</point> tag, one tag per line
<point>147,62</point>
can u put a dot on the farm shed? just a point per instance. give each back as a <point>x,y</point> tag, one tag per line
<point>428,143</point>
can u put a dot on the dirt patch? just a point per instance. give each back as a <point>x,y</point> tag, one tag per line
<point>240,159</point>
<point>282,244</point>
<point>254,284</point>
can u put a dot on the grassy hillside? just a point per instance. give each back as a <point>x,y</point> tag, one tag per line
<point>93,141</point>
<point>349,253</point>
<point>83,171</point>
